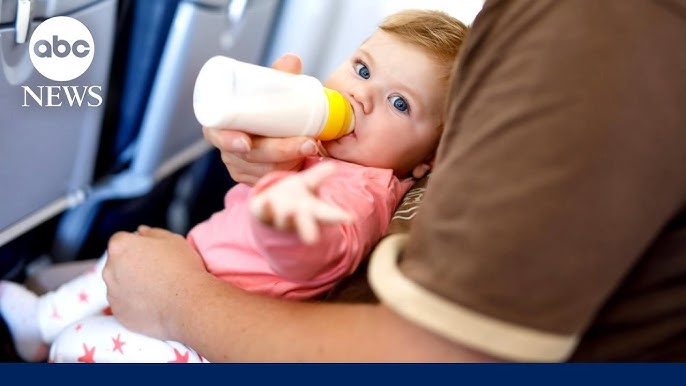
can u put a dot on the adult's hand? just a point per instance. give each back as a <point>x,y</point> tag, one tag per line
<point>144,273</point>
<point>249,157</point>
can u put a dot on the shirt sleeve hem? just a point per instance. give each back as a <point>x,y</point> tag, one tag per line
<point>457,323</point>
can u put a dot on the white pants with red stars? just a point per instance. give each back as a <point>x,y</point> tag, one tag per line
<point>102,338</point>
<point>74,318</point>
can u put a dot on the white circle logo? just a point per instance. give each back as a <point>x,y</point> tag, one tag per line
<point>61,48</point>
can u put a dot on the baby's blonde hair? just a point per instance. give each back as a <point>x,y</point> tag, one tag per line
<point>436,32</point>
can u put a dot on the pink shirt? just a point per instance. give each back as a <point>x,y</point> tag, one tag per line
<point>246,253</point>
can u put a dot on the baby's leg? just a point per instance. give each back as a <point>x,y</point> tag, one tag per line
<point>103,339</point>
<point>18,308</point>
<point>83,296</point>
<point>35,321</point>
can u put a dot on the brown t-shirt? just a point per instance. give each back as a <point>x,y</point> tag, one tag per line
<point>553,227</point>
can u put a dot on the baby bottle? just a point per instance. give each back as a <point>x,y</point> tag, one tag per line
<point>259,100</point>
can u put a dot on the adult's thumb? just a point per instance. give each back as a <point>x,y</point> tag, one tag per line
<point>288,63</point>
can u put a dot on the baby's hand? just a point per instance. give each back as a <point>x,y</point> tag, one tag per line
<point>292,203</point>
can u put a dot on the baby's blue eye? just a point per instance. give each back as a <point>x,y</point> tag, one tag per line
<point>362,70</point>
<point>399,103</point>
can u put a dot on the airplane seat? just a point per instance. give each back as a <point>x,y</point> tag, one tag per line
<point>144,26</point>
<point>142,32</point>
<point>74,176</point>
<point>168,137</point>
<point>48,144</point>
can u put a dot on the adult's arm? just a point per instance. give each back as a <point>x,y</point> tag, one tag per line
<point>169,295</point>
<point>249,157</point>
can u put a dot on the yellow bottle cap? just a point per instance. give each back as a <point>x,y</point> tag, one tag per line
<point>340,119</point>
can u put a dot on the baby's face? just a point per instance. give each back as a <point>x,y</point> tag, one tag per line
<point>398,98</point>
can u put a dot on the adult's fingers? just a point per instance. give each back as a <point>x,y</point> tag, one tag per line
<point>279,150</point>
<point>144,230</point>
<point>117,242</point>
<point>288,63</point>
<point>228,140</point>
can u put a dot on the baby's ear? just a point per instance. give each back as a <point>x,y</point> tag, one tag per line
<point>425,167</point>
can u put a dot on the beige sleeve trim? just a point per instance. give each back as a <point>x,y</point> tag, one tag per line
<point>454,322</point>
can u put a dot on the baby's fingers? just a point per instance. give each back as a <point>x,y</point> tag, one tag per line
<point>261,209</point>
<point>307,228</point>
<point>307,219</point>
<point>329,213</point>
<point>314,176</point>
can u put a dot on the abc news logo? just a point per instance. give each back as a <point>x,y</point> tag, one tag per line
<point>62,49</point>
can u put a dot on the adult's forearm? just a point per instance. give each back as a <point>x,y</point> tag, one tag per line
<point>226,324</point>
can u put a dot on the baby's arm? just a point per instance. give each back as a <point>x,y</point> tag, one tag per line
<point>292,204</point>
<point>366,195</point>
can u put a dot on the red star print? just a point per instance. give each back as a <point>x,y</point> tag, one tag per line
<point>55,314</point>
<point>180,358</point>
<point>88,354</point>
<point>83,297</point>
<point>107,311</point>
<point>78,327</point>
<point>118,344</point>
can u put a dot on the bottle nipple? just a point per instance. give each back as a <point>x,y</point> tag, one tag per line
<point>340,120</point>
